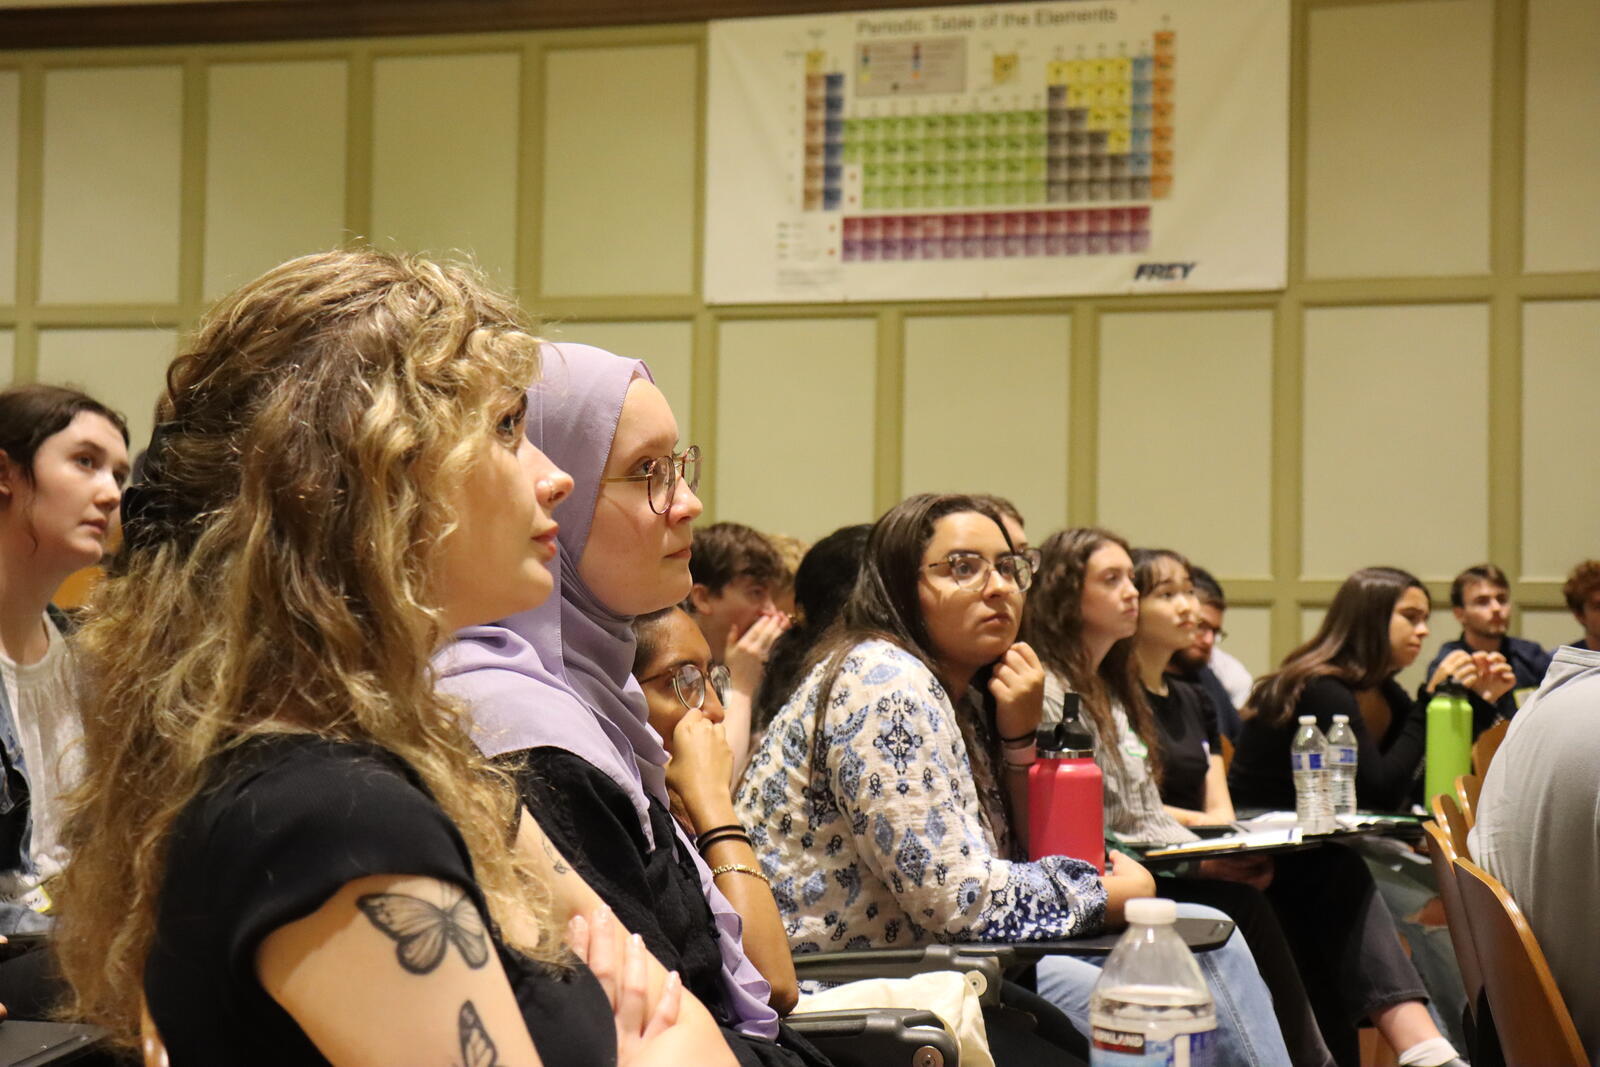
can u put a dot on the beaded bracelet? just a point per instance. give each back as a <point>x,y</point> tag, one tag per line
<point>739,868</point>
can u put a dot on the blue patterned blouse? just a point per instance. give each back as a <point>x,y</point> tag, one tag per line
<point>887,843</point>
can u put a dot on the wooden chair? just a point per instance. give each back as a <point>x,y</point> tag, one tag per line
<point>1227,752</point>
<point>1448,815</point>
<point>1531,1017</point>
<point>1468,788</point>
<point>1487,744</point>
<point>1442,851</point>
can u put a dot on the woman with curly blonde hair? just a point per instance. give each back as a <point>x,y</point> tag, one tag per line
<point>286,840</point>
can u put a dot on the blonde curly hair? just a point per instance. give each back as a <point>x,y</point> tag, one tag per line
<point>311,432</point>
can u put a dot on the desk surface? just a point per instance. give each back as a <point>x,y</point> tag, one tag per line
<point>24,1043</point>
<point>1271,832</point>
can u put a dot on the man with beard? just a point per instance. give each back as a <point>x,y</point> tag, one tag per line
<point>1481,599</point>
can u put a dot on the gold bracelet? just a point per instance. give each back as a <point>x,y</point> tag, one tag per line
<point>740,868</point>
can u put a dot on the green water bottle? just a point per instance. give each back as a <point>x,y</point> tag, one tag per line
<point>1449,740</point>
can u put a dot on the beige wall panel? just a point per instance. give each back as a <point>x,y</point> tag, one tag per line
<point>1441,628</point>
<point>1562,137</point>
<point>8,357</point>
<point>667,346</point>
<point>274,166</point>
<point>1250,637</point>
<point>997,423</point>
<point>1185,434</point>
<point>1397,163</point>
<point>445,135</point>
<point>1548,626</point>
<point>1395,439</point>
<point>112,141</point>
<point>10,97</point>
<point>1560,384</point>
<point>125,369</point>
<point>619,182</point>
<point>795,437</point>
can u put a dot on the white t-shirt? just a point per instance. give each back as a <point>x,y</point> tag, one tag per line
<point>1234,676</point>
<point>43,699</point>
<point>1538,827</point>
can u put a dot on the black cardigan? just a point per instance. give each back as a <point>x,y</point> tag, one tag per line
<point>1386,768</point>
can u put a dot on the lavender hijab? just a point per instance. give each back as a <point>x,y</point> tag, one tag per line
<point>559,676</point>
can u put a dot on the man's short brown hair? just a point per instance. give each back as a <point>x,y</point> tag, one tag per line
<point>724,551</point>
<point>1581,584</point>
<point>1483,572</point>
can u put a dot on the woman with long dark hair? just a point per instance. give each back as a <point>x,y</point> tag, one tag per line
<point>888,799</point>
<point>1373,630</point>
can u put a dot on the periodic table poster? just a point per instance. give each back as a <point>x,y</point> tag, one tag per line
<point>1005,150</point>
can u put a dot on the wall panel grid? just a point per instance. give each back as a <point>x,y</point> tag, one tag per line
<point>1442,295</point>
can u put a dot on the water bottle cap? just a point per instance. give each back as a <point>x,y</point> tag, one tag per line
<point>1307,720</point>
<point>1064,740</point>
<point>1341,718</point>
<point>1151,911</point>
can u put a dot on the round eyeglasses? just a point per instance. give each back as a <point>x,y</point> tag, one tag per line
<point>969,570</point>
<point>689,684</point>
<point>661,476</point>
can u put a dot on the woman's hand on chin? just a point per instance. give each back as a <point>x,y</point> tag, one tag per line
<point>1018,689</point>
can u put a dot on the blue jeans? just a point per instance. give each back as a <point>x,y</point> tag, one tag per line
<point>1247,1031</point>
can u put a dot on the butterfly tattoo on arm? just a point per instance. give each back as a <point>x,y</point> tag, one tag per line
<point>423,932</point>
<point>476,1048</point>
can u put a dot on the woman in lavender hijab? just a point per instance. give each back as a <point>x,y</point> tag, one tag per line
<point>551,688</point>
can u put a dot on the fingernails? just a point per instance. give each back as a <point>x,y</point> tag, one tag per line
<point>673,981</point>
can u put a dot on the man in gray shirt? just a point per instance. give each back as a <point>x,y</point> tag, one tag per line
<point>1538,827</point>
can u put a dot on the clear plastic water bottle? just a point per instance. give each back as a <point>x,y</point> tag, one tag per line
<point>1342,759</point>
<point>1308,757</point>
<point>1151,1007</point>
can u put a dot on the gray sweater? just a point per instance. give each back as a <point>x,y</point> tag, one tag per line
<point>1538,827</point>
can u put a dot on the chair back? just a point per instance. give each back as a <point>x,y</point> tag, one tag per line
<point>1468,787</point>
<point>1448,815</point>
<point>1530,1015</point>
<point>1442,851</point>
<point>1487,744</point>
<point>1227,752</point>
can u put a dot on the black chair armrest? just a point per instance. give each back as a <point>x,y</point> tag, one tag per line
<point>879,1037</point>
<point>989,961</point>
<point>1201,935</point>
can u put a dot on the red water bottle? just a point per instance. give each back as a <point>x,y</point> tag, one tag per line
<point>1066,794</point>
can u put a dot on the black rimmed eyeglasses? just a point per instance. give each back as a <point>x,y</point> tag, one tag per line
<point>971,570</point>
<point>689,683</point>
<point>661,475</point>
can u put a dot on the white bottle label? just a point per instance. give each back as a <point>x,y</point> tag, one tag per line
<point>1112,1047</point>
